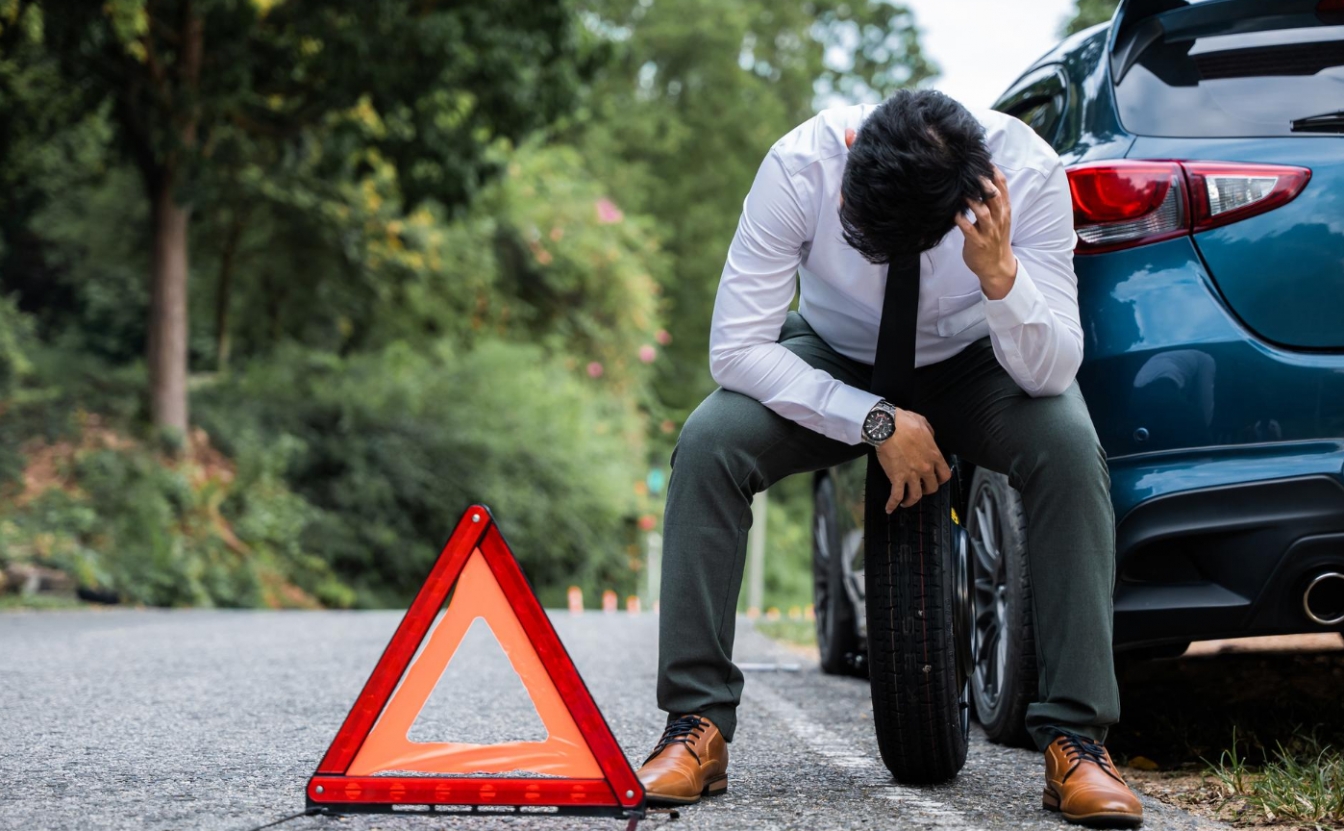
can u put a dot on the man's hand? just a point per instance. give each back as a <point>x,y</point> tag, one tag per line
<point>912,461</point>
<point>988,252</point>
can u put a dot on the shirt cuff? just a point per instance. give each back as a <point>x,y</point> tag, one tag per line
<point>847,409</point>
<point>1018,306</point>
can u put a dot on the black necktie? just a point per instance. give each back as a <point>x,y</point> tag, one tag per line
<point>894,366</point>
<point>893,379</point>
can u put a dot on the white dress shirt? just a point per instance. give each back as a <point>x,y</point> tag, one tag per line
<point>791,225</point>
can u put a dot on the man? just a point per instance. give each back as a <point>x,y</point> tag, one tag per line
<point>983,204</point>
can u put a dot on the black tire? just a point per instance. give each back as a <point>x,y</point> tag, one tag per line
<point>915,670</point>
<point>837,630</point>
<point>1005,676</point>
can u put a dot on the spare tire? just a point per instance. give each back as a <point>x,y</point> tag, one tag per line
<point>917,596</point>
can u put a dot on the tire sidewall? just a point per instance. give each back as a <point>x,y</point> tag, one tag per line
<point>1004,723</point>
<point>840,635</point>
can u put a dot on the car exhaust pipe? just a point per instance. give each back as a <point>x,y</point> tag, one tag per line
<point>1323,599</point>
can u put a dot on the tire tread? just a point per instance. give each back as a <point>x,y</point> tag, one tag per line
<point>912,657</point>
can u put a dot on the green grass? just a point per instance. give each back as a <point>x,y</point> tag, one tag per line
<point>800,632</point>
<point>11,602</point>
<point>1301,783</point>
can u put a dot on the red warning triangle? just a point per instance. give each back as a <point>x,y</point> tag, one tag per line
<point>372,765</point>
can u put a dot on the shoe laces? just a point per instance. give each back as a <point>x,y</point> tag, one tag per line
<point>681,730</point>
<point>1081,749</point>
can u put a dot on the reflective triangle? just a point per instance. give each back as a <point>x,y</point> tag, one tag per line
<point>372,763</point>
<point>387,748</point>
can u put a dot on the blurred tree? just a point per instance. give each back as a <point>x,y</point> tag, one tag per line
<point>697,91</point>
<point>407,220</point>
<point>1088,13</point>
<point>542,256</point>
<point>199,87</point>
<point>50,142</point>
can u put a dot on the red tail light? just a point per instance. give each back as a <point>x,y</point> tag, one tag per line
<point>1122,204</point>
<point>1126,203</point>
<point>1224,193</point>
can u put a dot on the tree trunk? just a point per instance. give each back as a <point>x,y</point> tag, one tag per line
<point>167,354</point>
<point>167,348</point>
<point>223,296</point>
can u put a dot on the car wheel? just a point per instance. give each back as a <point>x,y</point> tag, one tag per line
<point>1005,676</point>
<point>837,630</point>
<point>915,590</point>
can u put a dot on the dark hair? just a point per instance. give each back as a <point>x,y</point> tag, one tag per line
<point>915,161</point>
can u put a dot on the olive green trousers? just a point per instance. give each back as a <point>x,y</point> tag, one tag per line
<point>733,447</point>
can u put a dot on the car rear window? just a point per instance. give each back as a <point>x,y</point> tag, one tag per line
<point>1247,83</point>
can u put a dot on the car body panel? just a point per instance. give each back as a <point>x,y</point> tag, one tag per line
<point>1137,479</point>
<point>1294,298</point>
<point>1168,366</point>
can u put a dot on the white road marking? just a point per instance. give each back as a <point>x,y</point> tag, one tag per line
<point>865,770</point>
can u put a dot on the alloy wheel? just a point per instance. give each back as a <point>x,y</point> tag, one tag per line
<point>989,597</point>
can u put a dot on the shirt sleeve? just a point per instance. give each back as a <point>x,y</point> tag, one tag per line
<point>1035,328</point>
<point>753,299</point>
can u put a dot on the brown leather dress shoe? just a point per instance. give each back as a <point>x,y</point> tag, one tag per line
<point>1081,783</point>
<point>689,761</point>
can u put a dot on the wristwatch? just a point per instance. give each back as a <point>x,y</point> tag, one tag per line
<point>880,423</point>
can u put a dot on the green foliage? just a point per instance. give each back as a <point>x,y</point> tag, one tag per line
<point>15,337</point>
<point>208,84</point>
<point>125,522</point>
<point>51,143</point>
<point>788,535</point>
<point>542,257</point>
<point>1088,13</point>
<point>796,632</point>
<point>393,445</point>
<point>695,95</point>
<point>93,244</point>
<point>1301,782</point>
<point>441,243</point>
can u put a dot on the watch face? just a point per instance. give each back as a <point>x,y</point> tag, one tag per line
<point>879,425</point>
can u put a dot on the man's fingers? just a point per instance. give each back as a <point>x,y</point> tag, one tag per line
<point>944,472</point>
<point>929,482</point>
<point>967,227</point>
<point>906,493</point>
<point>993,202</point>
<point>980,210</point>
<point>913,491</point>
<point>1005,204</point>
<point>1000,181</point>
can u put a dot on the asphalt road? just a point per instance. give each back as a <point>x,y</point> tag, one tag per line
<point>214,720</point>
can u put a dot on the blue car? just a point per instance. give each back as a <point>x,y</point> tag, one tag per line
<point>1205,148</point>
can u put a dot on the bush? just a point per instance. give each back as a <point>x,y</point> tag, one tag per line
<point>129,523</point>
<point>78,492</point>
<point>15,334</point>
<point>390,447</point>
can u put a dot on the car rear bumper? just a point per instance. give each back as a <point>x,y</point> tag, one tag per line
<point>1231,556</point>
<point>1226,452</point>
